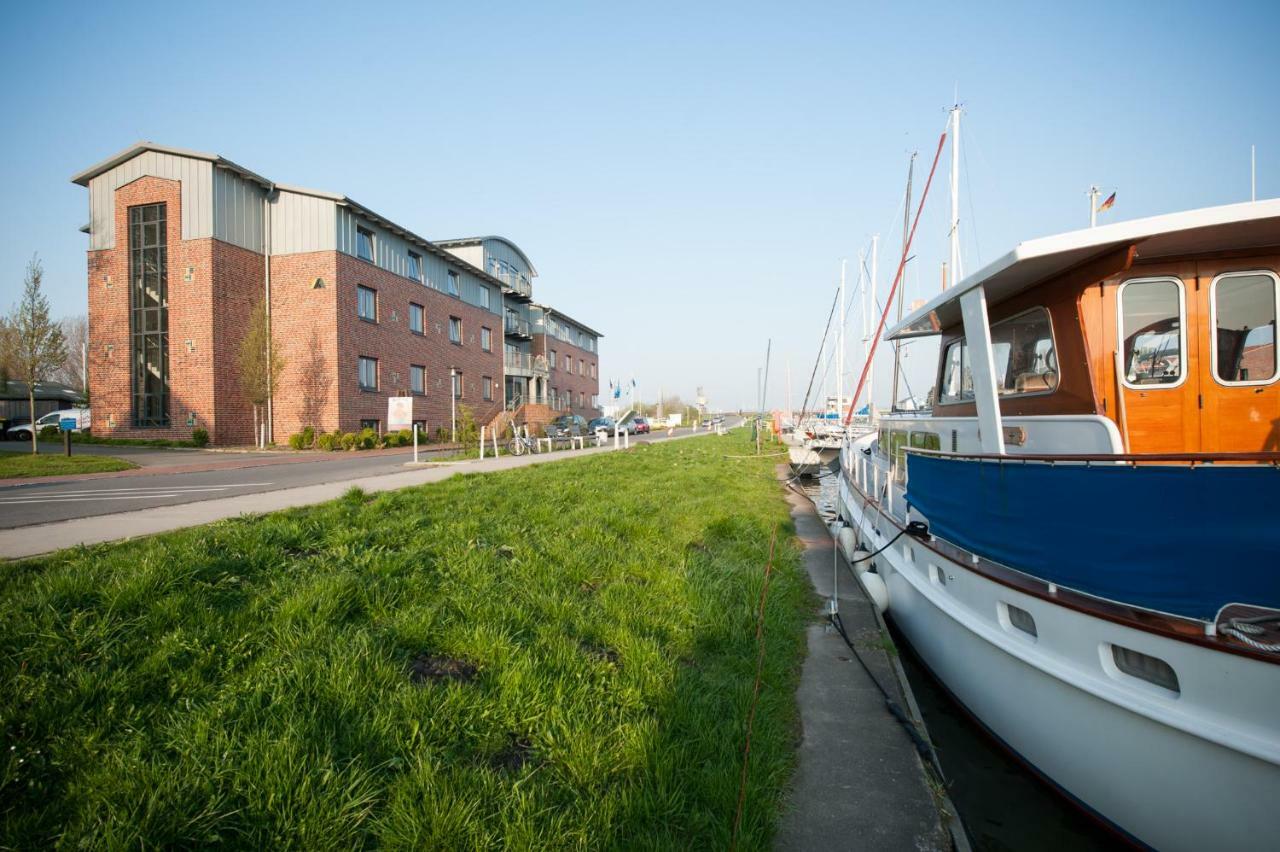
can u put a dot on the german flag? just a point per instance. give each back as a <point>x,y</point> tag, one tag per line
<point>1106,205</point>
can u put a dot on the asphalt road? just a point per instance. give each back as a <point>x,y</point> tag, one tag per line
<point>35,502</point>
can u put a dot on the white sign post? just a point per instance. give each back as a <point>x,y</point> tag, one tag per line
<point>399,413</point>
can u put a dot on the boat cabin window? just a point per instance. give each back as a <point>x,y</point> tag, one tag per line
<point>1022,347</point>
<point>957,378</point>
<point>1151,326</point>
<point>1244,327</point>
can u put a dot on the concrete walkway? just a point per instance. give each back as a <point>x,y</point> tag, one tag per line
<point>34,540</point>
<point>860,783</point>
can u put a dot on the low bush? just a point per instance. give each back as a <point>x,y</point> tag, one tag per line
<point>308,437</point>
<point>297,441</point>
<point>327,442</point>
<point>348,440</point>
<point>49,431</point>
<point>392,439</point>
<point>200,437</point>
<point>406,437</point>
<point>367,439</point>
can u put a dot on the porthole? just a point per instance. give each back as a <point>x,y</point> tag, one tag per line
<point>937,575</point>
<point>1145,667</point>
<point>1018,618</point>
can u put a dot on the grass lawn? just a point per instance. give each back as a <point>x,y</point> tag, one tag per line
<point>55,464</point>
<point>556,656</point>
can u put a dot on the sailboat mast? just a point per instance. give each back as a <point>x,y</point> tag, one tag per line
<point>906,231</point>
<point>840,343</point>
<point>956,272</point>
<point>871,376</point>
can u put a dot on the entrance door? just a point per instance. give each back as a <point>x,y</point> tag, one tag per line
<point>1241,390</point>
<point>1158,363</point>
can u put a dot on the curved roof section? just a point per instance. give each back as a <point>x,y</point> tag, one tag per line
<point>471,241</point>
<point>1253,224</point>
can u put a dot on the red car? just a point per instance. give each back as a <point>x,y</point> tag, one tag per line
<point>639,426</point>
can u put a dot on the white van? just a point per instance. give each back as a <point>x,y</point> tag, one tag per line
<point>22,432</point>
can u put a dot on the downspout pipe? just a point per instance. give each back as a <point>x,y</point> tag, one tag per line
<point>266,275</point>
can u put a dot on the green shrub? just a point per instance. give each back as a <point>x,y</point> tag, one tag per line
<point>406,437</point>
<point>297,441</point>
<point>392,439</point>
<point>200,437</point>
<point>367,439</point>
<point>308,437</point>
<point>326,442</point>
<point>442,435</point>
<point>348,440</point>
<point>49,431</point>
<point>468,429</point>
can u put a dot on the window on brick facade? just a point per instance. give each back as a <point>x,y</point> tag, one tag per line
<point>484,297</point>
<point>367,304</point>
<point>364,244</point>
<point>582,400</point>
<point>453,283</point>
<point>580,370</point>
<point>486,388</point>
<point>457,385</point>
<point>486,339</point>
<point>593,371</point>
<point>416,318</point>
<point>371,423</point>
<point>417,378</point>
<point>149,314</point>
<point>368,373</point>
<point>455,330</point>
<point>415,266</point>
<point>551,360</point>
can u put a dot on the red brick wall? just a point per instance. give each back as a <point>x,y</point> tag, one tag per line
<point>396,348</point>
<point>238,287</point>
<point>565,381</point>
<point>304,321</point>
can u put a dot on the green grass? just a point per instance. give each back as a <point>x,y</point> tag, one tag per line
<point>246,683</point>
<point>14,465</point>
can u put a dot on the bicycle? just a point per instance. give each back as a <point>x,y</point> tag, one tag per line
<point>521,444</point>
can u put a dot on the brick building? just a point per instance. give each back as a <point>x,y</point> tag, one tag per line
<point>184,246</point>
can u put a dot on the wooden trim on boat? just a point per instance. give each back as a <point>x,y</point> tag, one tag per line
<point>1161,624</point>
<point>1132,458</point>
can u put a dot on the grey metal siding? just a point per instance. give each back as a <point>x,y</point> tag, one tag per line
<point>302,223</point>
<point>196,177</point>
<point>391,252</point>
<point>500,250</point>
<point>237,210</point>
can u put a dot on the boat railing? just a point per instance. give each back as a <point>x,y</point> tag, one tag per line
<point>1109,458</point>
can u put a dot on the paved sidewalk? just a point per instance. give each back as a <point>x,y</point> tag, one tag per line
<point>860,783</point>
<point>37,539</point>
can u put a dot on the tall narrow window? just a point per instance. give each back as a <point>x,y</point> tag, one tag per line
<point>1244,327</point>
<point>415,266</point>
<point>453,283</point>
<point>455,330</point>
<point>417,378</point>
<point>149,309</point>
<point>1151,327</point>
<point>457,385</point>
<point>415,318</point>
<point>486,339</point>
<point>486,388</point>
<point>368,373</point>
<point>484,297</point>
<point>364,244</point>
<point>957,380</point>
<point>367,304</point>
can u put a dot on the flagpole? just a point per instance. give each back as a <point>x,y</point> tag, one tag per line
<point>1094,192</point>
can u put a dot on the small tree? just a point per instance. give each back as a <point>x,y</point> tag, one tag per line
<point>314,383</point>
<point>260,363</point>
<point>32,344</point>
<point>71,372</point>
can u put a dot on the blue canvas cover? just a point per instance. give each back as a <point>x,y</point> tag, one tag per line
<point>1173,538</point>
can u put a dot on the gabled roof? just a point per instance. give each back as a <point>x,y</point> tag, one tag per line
<point>474,241</point>
<point>1253,224</point>
<point>137,148</point>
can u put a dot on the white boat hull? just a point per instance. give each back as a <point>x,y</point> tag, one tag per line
<point>1198,770</point>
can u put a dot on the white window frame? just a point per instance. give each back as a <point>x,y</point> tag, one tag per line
<point>360,372</point>
<point>1182,331</point>
<point>1213,326</point>
<point>414,257</point>
<point>486,339</point>
<point>360,291</point>
<point>453,284</point>
<point>422,372</point>
<point>422,316</point>
<point>458,340</point>
<point>373,244</point>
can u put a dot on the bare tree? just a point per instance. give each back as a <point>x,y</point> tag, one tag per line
<point>314,383</point>
<point>260,363</point>
<point>71,372</point>
<point>31,344</point>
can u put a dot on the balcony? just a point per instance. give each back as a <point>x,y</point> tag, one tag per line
<point>515,285</point>
<point>523,364</point>
<point>516,327</point>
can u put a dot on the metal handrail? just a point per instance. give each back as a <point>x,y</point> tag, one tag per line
<point>1132,458</point>
<point>515,325</point>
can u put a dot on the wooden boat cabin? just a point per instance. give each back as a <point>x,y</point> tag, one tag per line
<point>1153,336</point>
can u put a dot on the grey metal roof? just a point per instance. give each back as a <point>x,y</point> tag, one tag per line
<point>137,148</point>
<point>1253,224</point>
<point>471,241</point>
<point>555,311</point>
<point>15,389</point>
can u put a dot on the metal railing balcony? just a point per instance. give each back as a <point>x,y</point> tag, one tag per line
<point>525,364</point>
<point>516,327</point>
<point>518,284</point>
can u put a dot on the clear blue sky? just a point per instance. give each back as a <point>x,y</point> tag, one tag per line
<point>686,177</point>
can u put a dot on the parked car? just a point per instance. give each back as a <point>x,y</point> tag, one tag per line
<point>22,431</point>
<point>639,425</point>
<point>608,424</point>
<point>565,423</point>
<point>10,423</point>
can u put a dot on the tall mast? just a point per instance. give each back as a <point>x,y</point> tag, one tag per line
<point>840,343</point>
<point>1094,192</point>
<point>956,272</point>
<point>871,376</point>
<point>906,234</point>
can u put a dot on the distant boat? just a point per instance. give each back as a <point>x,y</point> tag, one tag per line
<point>1079,538</point>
